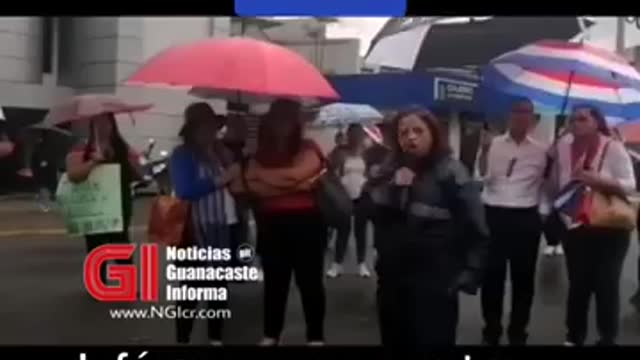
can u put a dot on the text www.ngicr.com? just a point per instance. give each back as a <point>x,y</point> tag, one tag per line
<point>170,312</point>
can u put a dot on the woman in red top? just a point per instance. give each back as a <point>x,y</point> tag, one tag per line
<point>106,146</point>
<point>291,232</point>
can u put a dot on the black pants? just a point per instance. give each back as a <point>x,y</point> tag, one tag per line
<point>184,326</point>
<point>293,243</point>
<point>94,241</point>
<point>515,238</point>
<point>412,316</point>
<point>360,232</point>
<point>594,263</point>
<point>554,229</point>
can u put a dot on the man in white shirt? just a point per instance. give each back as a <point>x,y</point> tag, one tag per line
<point>512,167</point>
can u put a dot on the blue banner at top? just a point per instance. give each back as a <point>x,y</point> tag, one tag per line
<point>321,7</point>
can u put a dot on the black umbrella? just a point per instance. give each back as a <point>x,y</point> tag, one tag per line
<point>473,43</point>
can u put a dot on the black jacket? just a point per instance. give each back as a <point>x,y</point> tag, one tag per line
<point>433,232</point>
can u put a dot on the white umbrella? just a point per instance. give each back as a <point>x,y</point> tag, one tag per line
<point>344,114</point>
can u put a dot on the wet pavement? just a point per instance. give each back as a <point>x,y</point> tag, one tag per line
<point>43,300</point>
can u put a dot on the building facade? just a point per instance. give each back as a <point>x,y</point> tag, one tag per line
<point>44,60</point>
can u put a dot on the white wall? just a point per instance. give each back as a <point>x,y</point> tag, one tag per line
<point>339,56</point>
<point>21,49</point>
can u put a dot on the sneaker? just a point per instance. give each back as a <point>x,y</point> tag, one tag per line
<point>569,344</point>
<point>559,250</point>
<point>549,250</point>
<point>44,207</point>
<point>335,270</point>
<point>363,271</point>
<point>216,343</point>
<point>316,343</point>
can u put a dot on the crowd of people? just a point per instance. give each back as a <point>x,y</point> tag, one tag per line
<point>436,233</point>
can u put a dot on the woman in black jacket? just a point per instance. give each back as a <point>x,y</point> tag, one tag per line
<point>420,201</point>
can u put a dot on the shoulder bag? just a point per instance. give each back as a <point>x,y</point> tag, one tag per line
<point>608,210</point>
<point>331,197</point>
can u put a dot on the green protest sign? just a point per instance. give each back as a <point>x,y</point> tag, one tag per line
<point>93,206</point>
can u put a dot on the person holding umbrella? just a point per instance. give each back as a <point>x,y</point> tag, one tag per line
<point>594,254</point>
<point>200,171</point>
<point>106,146</point>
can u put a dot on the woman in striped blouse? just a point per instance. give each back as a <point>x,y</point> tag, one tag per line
<point>199,176</point>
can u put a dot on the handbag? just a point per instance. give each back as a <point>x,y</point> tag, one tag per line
<point>608,210</point>
<point>169,221</point>
<point>332,199</point>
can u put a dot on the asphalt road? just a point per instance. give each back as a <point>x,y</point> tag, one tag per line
<point>42,299</point>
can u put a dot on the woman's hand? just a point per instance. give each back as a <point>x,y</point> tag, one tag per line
<point>404,177</point>
<point>96,157</point>
<point>77,168</point>
<point>588,177</point>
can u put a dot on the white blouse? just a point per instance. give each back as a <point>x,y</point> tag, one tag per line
<point>354,177</point>
<point>616,164</point>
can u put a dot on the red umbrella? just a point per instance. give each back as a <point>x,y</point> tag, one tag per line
<point>235,68</point>
<point>83,107</point>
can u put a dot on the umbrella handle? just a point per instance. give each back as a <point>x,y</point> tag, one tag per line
<point>98,149</point>
<point>566,95</point>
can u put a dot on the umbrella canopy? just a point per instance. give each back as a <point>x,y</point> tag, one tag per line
<point>239,69</point>
<point>561,75</point>
<point>83,107</point>
<point>441,42</point>
<point>343,114</point>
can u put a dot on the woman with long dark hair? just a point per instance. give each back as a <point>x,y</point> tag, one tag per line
<point>432,236</point>
<point>594,255</point>
<point>106,146</point>
<point>291,232</point>
<point>200,171</point>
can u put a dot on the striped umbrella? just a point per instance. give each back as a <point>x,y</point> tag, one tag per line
<point>561,74</point>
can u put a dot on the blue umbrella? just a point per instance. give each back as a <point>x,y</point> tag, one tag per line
<point>344,114</point>
<point>560,75</point>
